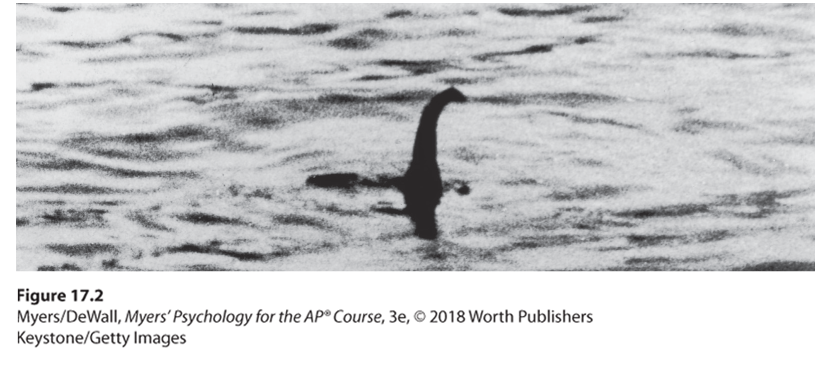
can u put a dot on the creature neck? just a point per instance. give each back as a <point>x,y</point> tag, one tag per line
<point>424,150</point>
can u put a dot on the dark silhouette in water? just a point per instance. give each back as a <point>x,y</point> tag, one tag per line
<point>422,186</point>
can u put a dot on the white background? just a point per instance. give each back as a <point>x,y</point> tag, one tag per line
<point>714,321</point>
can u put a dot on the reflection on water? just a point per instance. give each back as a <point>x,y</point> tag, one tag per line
<point>595,137</point>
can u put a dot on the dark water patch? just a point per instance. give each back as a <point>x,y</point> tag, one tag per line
<point>743,164</point>
<point>149,57</point>
<point>110,264</point>
<point>457,33</point>
<point>148,147</point>
<point>602,19</point>
<point>92,84</point>
<point>27,52</point>
<point>735,29</point>
<point>589,192</point>
<point>260,193</point>
<point>85,250</point>
<point>696,126</point>
<point>205,268</point>
<point>52,162</point>
<point>712,236</point>
<point>417,67</point>
<point>648,260</point>
<point>310,29</point>
<point>595,222</point>
<point>235,190</point>
<point>548,241</point>
<point>534,49</point>
<point>396,236</point>
<point>53,202</point>
<point>487,256</point>
<point>654,239</point>
<point>569,99</point>
<point>434,253</point>
<point>465,81</point>
<point>374,78</point>
<point>72,189</point>
<point>671,211</point>
<point>86,218</point>
<point>277,113</point>
<point>334,209</point>
<point>265,115</point>
<point>62,267</point>
<point>767,198</point>
<point>584,40</point>
<point>521,181</point>
<point>342,99</point>
<point>614,248</point>
<point>114,265</point>
<point>765,202</point>
<point>209,22</point>
<point>181,133</point>
<point>396,97</point>
<point>84,44</point>
<point>568,218</point>
<point>214,248</point>
<point>361,40</point>
<point>108,203</point>
<point>147,154</point>
<point>301,220</point>
<point>236,146</point>
<point>587,120</point>
<point>261,13</point>
<point>208,219</point>
<point>171,36</point>
<point>103,44</point>
<point>656,263</point>
<point>410,96</point>
<point>36,87</point>
<point>643,240</point>
<point>562,11</point>
<point>147,221</point>
<point>317,154</point>
<point>488,229</point>
<point>239,190</point>
<point>588,162</point>
<point>60,9</point>
<point>441,267</point>
<point>808,138</point>
<point>727,55</point>
<point>224,91</point>
<point>351,43</point>
<point>402,13</point>
<point>468,155</point>
<point>22,222</point>
<point>779,265</point>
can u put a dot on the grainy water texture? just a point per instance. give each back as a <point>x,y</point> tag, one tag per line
<point>595,137</point>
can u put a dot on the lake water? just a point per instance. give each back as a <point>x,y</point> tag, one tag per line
<point>596,137</point>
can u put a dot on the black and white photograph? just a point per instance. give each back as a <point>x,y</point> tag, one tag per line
<point>415,137</point>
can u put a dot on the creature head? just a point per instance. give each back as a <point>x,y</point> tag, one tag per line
<point>449,95</point>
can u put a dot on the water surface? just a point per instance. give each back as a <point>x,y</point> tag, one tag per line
<point>596,137</point>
